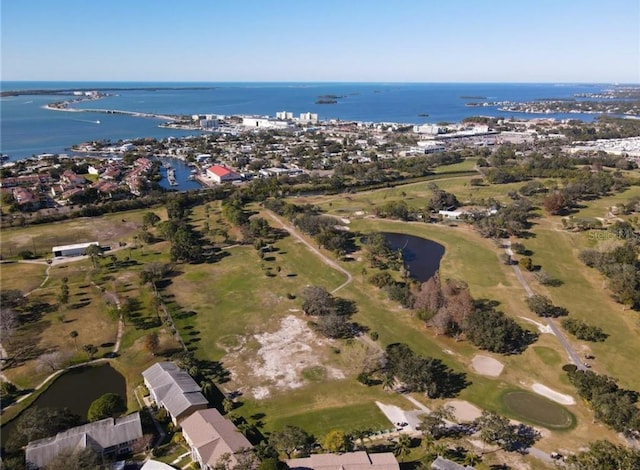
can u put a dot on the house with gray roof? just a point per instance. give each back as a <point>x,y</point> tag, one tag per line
<point>440,463</point>
<point>109,437</point>
<point>174,390</point>
<point>346,461</point>
<point>212,438</point>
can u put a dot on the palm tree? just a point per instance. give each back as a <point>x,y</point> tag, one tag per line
<point>440,449</point>
<point>388,381</point>
<point>74,335</point>
<point>360,434</point>
<point>90,349</point>
<point>471,459</point>
<point>93,252</point>
<point>228,405</point>
<point>402,448</point>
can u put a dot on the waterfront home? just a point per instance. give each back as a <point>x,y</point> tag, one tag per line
<point>174,390</point>
<point>109,437</point>
<point>211,438</point>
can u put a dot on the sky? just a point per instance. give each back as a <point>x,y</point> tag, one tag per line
<point>323,40</point>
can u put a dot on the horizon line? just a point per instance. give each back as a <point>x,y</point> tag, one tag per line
<point>329,82</point>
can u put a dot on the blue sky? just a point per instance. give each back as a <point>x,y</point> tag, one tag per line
<point>323,40</point>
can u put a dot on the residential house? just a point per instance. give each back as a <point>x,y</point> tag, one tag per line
<point>70,177</point>
<point>440,463</point>
<point>26,198</point>
<point>347,461</point>
<point>212,438</point>
<point>174,390</point>
<point>109,437</point>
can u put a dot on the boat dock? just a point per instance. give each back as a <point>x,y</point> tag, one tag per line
<point>171,176</point>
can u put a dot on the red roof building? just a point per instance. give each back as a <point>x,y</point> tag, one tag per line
<point>221,174</point>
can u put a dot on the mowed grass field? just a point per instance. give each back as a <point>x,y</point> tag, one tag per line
<point>585,294</point>
<point>108,229</point>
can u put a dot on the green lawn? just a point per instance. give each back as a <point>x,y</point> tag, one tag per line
<point>585,294</point>
<point>601,207</point>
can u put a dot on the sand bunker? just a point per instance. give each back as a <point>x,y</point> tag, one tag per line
<point>486,365</point>
<point>553,395</point>
<point>463,410</point>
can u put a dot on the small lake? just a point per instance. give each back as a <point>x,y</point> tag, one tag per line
<point>77,389</point>
<point>421,256</point>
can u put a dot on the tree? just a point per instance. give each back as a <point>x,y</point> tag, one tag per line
<point>272,463</point>
<point>498,430</point>
<point>317,301</point>
<point>37,423</point>
<point>154,272</point>
<point>93,252</point>
<point>402,447</point>
<point>543,307</point>
<point>152,342</point>
<point>227,405</point>
<point>90,349</point>
<point>605,455</point>
<point>492,330</point>
<point>8,323</point>
<point>526,262</point>
<point>422,374</point>
<point>51,361</point>
<point>74,335</point>
<point>336,441</point>
<point>70,459</point>
<point>555,203</point>
<point>151,219</point>
<point>290,439</point>
<point>433,424</point>
<point>108,405</point>
<point>63,295</point>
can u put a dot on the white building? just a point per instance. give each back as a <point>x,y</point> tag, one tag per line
<point>285,115</point>
<point>78,249</point>
<point>430,146</point>
<point>264,123</point>
<point>432,129</point>
<point>308,117</point>
<point>220,174</point>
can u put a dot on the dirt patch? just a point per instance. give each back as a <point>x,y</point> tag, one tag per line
<point>553,395</point>
<point>485,365</point>
<point>287,358</point>
<point>464,411</point>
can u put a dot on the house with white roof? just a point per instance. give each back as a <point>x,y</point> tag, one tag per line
<point>174,390</point>
<point>109,437</point>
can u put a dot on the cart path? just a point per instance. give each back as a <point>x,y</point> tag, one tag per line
<point>294,232</point>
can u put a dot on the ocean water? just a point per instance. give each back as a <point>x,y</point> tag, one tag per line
<point>27,129</point>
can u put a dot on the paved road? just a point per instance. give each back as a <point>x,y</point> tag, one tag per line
<point>292,230</point>
<point>573,356</point>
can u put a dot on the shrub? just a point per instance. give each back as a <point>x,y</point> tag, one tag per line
<point>583,331</point>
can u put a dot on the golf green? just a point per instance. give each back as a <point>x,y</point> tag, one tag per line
<point>538,410</point>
